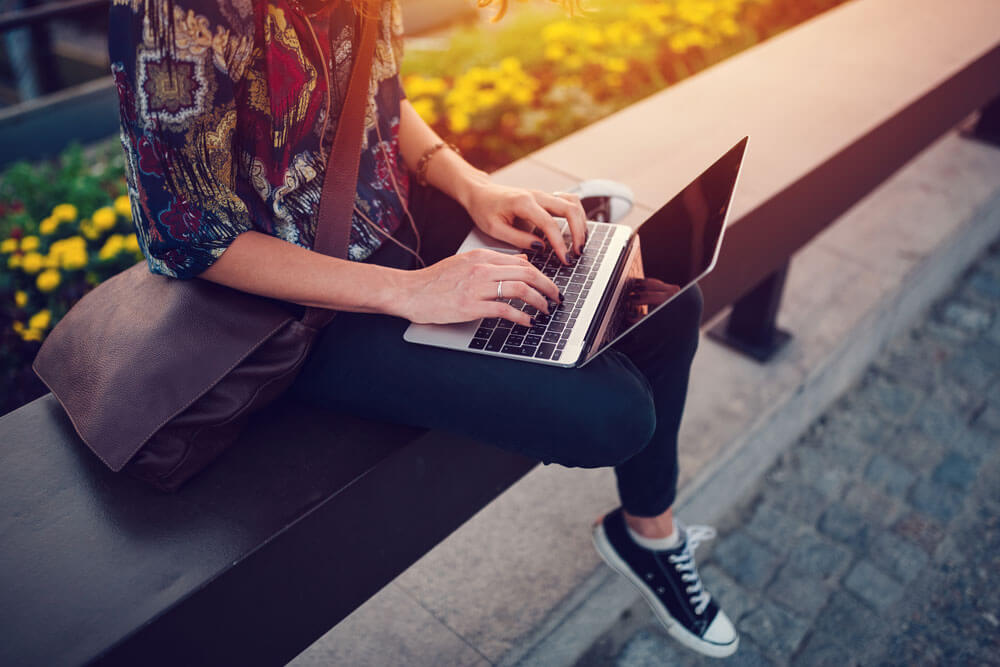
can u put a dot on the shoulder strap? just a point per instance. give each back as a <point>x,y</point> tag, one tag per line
<point>336,204</point>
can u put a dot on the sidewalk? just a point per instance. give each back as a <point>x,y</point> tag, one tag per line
<point>876,538</point>
<point>520,582</point>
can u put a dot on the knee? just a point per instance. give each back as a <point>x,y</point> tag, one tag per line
<point>617,426</point>
<point>688,308</point>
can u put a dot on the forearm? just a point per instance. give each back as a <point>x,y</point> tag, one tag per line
<point>447,171</point>
<point>268,266</point>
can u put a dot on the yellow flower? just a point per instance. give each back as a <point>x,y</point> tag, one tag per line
<point>40,320</point>
<point>29,243</point>
<point>14,261</point>
<point>48,280</point>
<point>88,229</point>
<point>132,243</point>
<point>112,247</point>
<point>617,65</point>
<point>8,246</point>
<point>458,121</point>
<point>48,226</point>
<point>31,334</point>
<point>71,252</point>
<point>20,298</point>
<point>574,61</point>
<point>32,262</point>
<point>65,212</point>
<point>104,218</point>
<point>123,207</point>
<point>425,109</point>
<point>555,51</point>
<point>18,327</point>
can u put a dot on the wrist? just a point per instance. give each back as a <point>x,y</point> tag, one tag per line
<point>397,293</point>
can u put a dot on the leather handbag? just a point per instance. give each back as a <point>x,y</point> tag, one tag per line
<point>158,375</point>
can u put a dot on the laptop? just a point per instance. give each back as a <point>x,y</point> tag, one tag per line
<point>622,278</point>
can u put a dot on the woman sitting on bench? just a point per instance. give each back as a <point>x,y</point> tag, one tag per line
<point>223,107</point>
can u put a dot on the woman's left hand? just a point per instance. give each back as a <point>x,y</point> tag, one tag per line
<point>495,207</point>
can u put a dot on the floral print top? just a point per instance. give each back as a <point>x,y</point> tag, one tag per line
<point>222,107</point>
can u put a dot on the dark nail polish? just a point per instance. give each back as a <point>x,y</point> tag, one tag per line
<point>561,297</point>
<point>532,320</point>
<point>537,245</point>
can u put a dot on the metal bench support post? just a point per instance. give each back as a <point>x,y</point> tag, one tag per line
<point>987,128</point>
<point>751,327</point>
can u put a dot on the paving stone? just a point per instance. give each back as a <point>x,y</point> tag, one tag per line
<point>747,655</point>
<point>969,317</point>
<point>844,524</point>
<point>731,597</point>
<point>745,560</point>
<point>872,504</point>
<point>774,629</point>
<point>936,500</point>
<point>974,443</point>
<point>798,592</point>
<point>797,499</point>
<point>889,476</point>
<point>898,557</point>
<point>915,449</point>
<point>820,651</point>
<point>955,471</point>
<point>914,358</point>
<point>977,365</point>
<point>988,417</point>
<point>921,530</point>
<point>849,622</point>
<point>938,421</point>
<point>852,419</point>
<point>815,469</point>
<point>774,528</point>
<point>892,400</point>
<point>984,285</point>
<point>873,586</point>
<point>819,557</point>
<point>650,649</point>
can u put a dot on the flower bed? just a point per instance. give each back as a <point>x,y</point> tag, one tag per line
<point>498,91</point>
<point>537,75</point>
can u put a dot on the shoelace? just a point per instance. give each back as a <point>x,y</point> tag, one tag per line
<point>684,563</point>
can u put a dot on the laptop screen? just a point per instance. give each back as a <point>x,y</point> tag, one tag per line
<point>673,248</point>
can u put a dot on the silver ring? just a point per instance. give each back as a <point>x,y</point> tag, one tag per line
<point>500,290</point>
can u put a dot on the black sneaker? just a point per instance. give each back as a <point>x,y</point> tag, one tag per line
<point>669,582</point>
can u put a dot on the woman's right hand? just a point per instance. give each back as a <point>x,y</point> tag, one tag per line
<point>463,287</point>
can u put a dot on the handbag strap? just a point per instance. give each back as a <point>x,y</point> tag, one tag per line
<point>340,184</point>
<point>336,203</point>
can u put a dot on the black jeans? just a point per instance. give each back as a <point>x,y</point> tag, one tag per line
<point>623,409</point>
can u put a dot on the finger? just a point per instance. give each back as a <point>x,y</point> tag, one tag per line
<point>506,311</point>
<point>532,276</point>
<point>529,209</point>
<point>488,256</point>
<point>569,207</point>
<point>516,289</point>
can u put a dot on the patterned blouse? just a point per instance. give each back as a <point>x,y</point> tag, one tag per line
<point>222,107</point>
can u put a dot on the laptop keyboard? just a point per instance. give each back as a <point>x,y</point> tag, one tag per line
<point>548,337</point>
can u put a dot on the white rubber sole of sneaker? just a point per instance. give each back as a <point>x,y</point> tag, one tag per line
<point>674,628</point>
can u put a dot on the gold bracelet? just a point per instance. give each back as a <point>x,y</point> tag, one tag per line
<point>426,158</point>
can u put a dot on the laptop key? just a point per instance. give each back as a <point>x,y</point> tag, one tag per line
<point>515,340</point>
<point>478,343</point>
<point>545,351</point>
<point>505,324</point>
<point>538,329</point>
<point>561,316</point>
<point>519,330</point>
<point>561,281</point>
<point>483,332</point>
<point>556,326</point>
<point>490,323</point>
<point>527,350</point>
<point>551,337</point>
<point>532,339</point>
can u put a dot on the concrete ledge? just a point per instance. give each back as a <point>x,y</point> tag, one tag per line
<point>520,583</point>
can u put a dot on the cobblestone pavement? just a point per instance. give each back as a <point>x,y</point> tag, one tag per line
<point>876,538</point>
